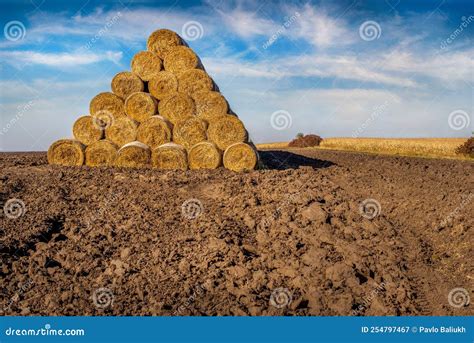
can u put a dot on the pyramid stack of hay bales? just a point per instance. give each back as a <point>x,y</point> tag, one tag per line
<point>166,113</point>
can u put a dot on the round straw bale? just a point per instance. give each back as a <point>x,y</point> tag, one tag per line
<point>146,64</point>
<point>126,83</point>
<point>226,130</point>
<point>181,58</point>
<point>140,106</point>
<point>163,84</point>
<point>169,156</point>
<point>133,155</point>
<point>107,102</point>
<point>155,131</point>
<point>239,157</point>
<point>189,132</point>
<point>66,152</point>
<point>204,155</point>
<point>210,104</point>
<point>122,131</point>
<point>86,130</point>
<point>101,154</point>
<point>162,40</point>
<point>177,107</point>
<point>193,81</point>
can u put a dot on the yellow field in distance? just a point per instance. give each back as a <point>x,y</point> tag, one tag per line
<point>420,147</point>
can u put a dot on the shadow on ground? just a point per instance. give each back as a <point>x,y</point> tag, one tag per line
<point>281,160</point>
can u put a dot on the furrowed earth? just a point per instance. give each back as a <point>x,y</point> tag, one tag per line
<point>287,240</point>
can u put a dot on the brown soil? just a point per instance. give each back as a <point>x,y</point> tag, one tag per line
<point>296,226</point>
<point>305,141</point>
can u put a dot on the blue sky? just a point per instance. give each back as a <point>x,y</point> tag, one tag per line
<point>394,68</point>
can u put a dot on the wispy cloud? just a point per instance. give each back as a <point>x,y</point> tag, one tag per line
<point>317,27</point>
<point>247,24</point>
<point>342,67</point>
<point>20,58</point>
<point>451,66</point>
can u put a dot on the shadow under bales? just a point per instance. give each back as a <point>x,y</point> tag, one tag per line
<point>281,160</point>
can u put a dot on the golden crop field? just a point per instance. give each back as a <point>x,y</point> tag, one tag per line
<point>420,147</point>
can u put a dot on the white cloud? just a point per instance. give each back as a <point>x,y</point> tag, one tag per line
<point>121,24</point>
<point>320,29</point>
<point>452,66</point>
<point>400,68</point>
<point>339,67</point>
<point>21,57</point>
<point>247,24</point>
